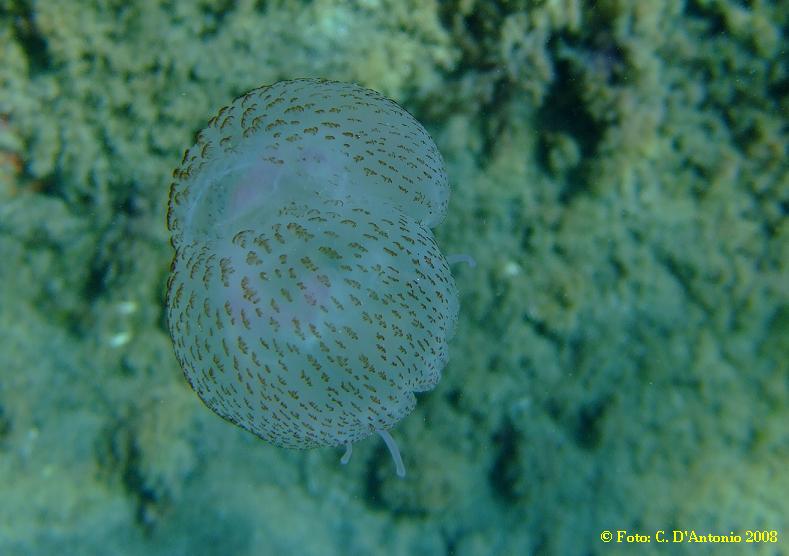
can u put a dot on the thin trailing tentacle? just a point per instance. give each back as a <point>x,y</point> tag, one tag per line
<point>392,445</point>
<point>346,457</point>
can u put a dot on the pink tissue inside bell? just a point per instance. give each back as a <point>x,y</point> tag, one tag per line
<point>256,184</point>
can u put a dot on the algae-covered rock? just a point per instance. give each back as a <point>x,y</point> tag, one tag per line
<point>618,174</point>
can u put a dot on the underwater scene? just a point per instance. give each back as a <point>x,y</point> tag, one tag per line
<point>394,277</point>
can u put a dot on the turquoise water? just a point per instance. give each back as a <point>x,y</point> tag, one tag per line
<point>620,361</point>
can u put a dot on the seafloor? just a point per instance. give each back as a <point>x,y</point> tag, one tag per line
<point>619,173</point>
